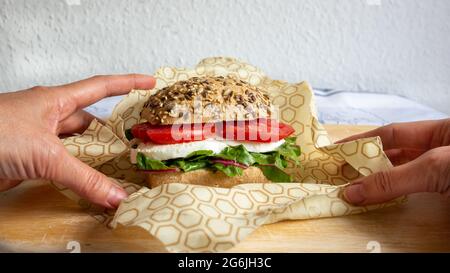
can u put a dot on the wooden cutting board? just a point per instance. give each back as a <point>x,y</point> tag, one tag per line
<point>36,218</point>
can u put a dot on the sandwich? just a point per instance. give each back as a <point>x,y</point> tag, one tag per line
<point>215,131</point>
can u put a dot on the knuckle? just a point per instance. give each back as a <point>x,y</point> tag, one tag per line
<point>391,126</point>
<point>446,123</point>
<point>383,182</point>
<point>444,136</point>
<point>93,183</point>
<point>434,159</point>
<point>103,79</point>
<point>438,166</point>
<point>39,88</point>
<point>50,154</point>
<point>99,77</point>
<point>446,191</point>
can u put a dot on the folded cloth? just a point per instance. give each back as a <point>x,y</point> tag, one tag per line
<point>365,108</point>
<point>104,108</point>
<point>339,107</point>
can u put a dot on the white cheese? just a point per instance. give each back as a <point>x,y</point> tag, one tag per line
<point>256,147</point>
<point>170,151</point>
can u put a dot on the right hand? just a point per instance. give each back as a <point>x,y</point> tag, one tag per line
<point>420,152</point>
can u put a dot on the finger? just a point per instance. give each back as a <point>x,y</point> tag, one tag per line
<point>6,184</point>
<point>83,93</point>
<point>428,173</point>
<point>402,156</point>
<point>78,122</point>
<point>84,180</point>
<point>417,135</point>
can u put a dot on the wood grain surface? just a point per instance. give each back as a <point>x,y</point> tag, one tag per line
<point>36,218</point>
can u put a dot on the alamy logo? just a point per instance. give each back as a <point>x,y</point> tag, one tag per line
<point>74,247</point>
<point>374,247</point>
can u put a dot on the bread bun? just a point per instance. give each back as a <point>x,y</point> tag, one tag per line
<point>207,99</point>
<point>208,178</point>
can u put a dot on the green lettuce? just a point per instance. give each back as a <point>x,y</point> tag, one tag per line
<point>188,166</point>
<point>145,163</point>
<point>238,154</point>
<point>289,150</point>
<point>274,174</point>
<point>229,170</point>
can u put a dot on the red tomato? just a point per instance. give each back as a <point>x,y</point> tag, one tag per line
<point>259,130</point>
<point>138,131</point>
<point>171,134</point>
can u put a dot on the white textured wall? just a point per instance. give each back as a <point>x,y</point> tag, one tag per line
<point>400,46</point>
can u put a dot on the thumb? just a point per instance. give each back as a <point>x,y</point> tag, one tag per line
<point>85,181</point>
<point>425,174</point>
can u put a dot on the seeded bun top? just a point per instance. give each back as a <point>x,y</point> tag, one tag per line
<point>207,99</point>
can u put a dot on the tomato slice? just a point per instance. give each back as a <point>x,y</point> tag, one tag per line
<point>171,134</point>
<point>258,130</point>
<point>138,131</point>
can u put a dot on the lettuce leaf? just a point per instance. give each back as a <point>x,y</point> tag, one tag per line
<point>229,170</point>
<point>262,158</point>
<point>145,163</point>
<point>238,154</point>
<point>289,150</point>
<point>200,153</point>
<point>274,174</point>
<point>188,166</point>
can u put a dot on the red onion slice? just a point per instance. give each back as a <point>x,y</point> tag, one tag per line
<point>171,170</point>
<point>228,162</point>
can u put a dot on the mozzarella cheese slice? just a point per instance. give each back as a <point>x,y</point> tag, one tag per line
<point>256,147</point>
<point>179,150</point>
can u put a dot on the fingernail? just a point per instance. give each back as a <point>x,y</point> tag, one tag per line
<point>354,194</point>
<point>116,195</point>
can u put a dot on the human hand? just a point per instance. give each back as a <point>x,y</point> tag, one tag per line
<point>31,120</point>
<point>420,152</point>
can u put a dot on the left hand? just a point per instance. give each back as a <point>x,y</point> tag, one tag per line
<point>31,120</point>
